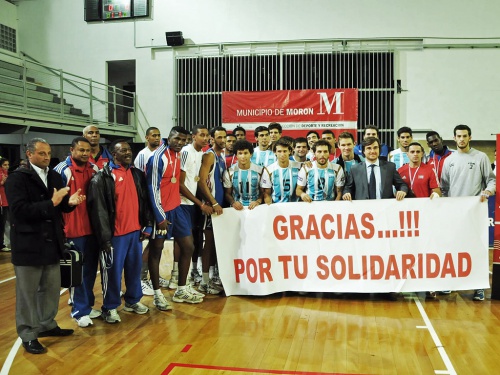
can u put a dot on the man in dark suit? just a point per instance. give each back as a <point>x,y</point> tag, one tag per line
<point>37,198</point>
<point>385,176</point>
<point>374,179</point>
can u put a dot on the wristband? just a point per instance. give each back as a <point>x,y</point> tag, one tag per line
<point>216,204</point>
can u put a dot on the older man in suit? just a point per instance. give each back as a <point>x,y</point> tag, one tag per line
<point>374,178</point>
<point>37,198</point>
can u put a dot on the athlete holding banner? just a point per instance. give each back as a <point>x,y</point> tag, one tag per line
<point>279,180</point>
<point>324,180</point>
<point>242,180</point>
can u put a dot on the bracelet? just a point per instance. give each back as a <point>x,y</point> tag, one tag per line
<point>215,204</point>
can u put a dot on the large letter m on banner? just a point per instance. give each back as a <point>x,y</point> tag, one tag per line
<point>328,105</point>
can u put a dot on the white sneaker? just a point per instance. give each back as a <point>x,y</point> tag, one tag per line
<point>163,283</point>
<point>84,321</point>
<point>194,291</point>
<point>147,289</point>
<point>174,281</point>
<point>138,308</point>
<point>95,314</point>
<point>209,288</point>
<point>186,296</point>
<point>111,316</point>
<point>161,303</point>
<point>195,276</point>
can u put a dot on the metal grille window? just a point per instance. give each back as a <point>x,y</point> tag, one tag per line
<point>8,38</point>
<point>201,80</point>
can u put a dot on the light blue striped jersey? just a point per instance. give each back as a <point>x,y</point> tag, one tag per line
<point>282,181</point>
<point>263,158</point>
<point>245,183</point>
<point>399,158</point>
<point>321,183</point>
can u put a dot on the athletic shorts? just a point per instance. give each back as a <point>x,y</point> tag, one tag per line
<point>180,224</point>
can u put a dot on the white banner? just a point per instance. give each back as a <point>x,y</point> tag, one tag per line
<point>361,246</point>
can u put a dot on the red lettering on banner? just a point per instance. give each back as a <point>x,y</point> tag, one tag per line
<point>420,266</point>
<point>392,268</point>
<point>364,267</point>
<point>262,270</point>
<point>352,274</point>
<point>376,260</point>
<point>312,228</point>
<point>464,272</point>
<point>280,232</point>
<point>321,263</point>
<point>300,275</point>
<point>295,226</point>
<point>338,275</point>
<point>432,259</point>
<point>366,220</point>
<point>448,266</point>
<point>327,235</point>
<point>408,263</point>
<point>352,227</point>
<point>285,259</point>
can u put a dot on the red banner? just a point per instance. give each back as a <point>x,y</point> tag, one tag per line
<point>298,111</point>
<point>496,242</point>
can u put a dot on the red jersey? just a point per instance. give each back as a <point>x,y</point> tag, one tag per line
<point>420,180</point>
<point>127,202</point>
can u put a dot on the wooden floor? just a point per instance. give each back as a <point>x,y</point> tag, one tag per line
<point>278,334</point>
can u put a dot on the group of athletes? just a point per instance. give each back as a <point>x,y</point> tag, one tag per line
<point>190,176</point>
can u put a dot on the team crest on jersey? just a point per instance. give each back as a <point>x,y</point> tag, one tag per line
<point>471,164</point>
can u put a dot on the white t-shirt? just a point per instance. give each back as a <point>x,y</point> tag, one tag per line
<point>141,160</point>
<point>190,163</point>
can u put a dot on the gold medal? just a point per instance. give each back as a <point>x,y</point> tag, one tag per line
<point>173,180</point>
<point>197,178</point>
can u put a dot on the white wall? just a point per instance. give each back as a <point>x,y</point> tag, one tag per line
<point>54,32</point>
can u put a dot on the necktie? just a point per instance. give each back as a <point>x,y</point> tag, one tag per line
<point>372,184</point>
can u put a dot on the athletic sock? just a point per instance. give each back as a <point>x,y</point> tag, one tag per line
<point>206,277</point>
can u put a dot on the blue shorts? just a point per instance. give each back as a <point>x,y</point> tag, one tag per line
<point>180,224</point>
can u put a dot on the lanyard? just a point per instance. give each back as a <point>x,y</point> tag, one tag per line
<point>414,176</point>
<point>173,179</point>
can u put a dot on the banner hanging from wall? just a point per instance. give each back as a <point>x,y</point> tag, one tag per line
<point>298,111</point>
<point>362,246</point>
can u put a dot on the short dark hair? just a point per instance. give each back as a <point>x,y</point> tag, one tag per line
<point>217,129</point>
<point>230,135</point>
<point>259,129</point>
<point>322,142</point>
<point>345,135</point>
<point>404,129</point>
<point>3,160</point>
<point>241,145</point>
<point>150,129</point>
<point>300,140</point>
<point>462,127</point>
<point>75,141</point>
<point>283,142</point>
<point>312,132</point>
<point>275,125</point>
<point>369,141</point>
<point>178,129</point>
<point>372,127</point>
<point>239,128</point>
<point>416,144</point>
<point>328,131</point>
<point>197,128</point>
<point>432,133</point>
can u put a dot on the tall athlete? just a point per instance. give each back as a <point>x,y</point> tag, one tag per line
<point>439,152</point>
<point>242,180</point>
<point>400,155</point>
<point>211,187</point>
<point>98,155</point>
<point>262,155</point>
<point>163,173</point>
<point>76,172</point>
<point>279,180</point>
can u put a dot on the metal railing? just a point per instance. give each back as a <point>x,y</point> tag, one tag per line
<point>30,87</point>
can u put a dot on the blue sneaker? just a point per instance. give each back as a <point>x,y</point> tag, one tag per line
<point>478,295</point>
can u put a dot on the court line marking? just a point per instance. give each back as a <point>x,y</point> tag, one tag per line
<point>442,352</point>
<point>13,351</point>
<point>10,278</point>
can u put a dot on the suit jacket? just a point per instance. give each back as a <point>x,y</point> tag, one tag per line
<point>357,181</point>
<point>36,234</point>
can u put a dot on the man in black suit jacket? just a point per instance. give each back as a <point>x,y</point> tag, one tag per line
<point>37,198</point>
<point>385,173</point>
